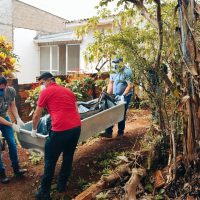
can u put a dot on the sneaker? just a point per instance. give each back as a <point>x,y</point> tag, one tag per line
<point>41,195</point>
<point>20,172</point>
<point>4,178</point>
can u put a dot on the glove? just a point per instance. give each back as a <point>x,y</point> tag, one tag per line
<point>16,127</point>
<point>118,98</point>
<point>33,133</point>
<point>20,122</point>
<point>122,98</point>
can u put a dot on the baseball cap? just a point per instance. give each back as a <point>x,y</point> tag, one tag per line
<point>45,76</point>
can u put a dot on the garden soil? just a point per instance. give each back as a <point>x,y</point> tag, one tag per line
<point>85,165</point>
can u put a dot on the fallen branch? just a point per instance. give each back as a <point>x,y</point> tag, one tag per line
<point>131,185</point>
<point>105,182</point>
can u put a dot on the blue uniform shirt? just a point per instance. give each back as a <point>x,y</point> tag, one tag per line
<point>121,80</point>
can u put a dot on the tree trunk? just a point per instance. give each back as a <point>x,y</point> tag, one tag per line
<point>191,79</point>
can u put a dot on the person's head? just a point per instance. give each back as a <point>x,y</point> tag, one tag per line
<point>46,78</point>
<point>3,84</point>
<point>116,62</point>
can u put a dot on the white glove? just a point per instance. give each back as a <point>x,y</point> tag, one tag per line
<point>1,135</point>
<point>122,98</point>
<point>118,98</point>
<point>20,122</point>
<point>33,133</point>
<point>16,127</point>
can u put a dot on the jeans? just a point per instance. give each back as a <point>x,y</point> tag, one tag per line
<point>59,142</point>
<point>8,133</point>
<point>121,124</point>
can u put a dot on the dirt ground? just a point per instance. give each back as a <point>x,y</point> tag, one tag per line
<point>85,159</point>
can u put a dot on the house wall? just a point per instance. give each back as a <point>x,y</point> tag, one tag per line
<point>29,17</point>
<point>6,18</point>
<point>87,39</point>
<point>73,58</point>
<point>28,21</point>
<point>28,51</point>
<point>86,67</point>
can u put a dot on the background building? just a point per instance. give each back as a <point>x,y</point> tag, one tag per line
<point>43,41</point>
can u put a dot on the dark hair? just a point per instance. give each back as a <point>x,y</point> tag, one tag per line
<point>45,76</point>
<point>3,80</point>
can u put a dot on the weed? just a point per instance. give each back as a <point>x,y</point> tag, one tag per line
<point>101,196</point>
<point>92,171</point>
<point>35,157</point>
<point>106,171</point>
<point>82,183</point>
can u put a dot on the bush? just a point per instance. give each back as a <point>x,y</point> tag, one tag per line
<point>83,90</point>
<point>7,58</point>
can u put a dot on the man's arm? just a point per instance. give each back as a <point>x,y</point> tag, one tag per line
<point>13,109</point>
<point>5,122</point>
<point>110,87</point>
<point>36,117</point>
<point>128,88</point>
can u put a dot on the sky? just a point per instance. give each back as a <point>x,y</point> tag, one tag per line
<point>68,9</point>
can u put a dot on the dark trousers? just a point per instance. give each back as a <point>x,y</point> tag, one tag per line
<point>59,142</point>
<point>121,124</point>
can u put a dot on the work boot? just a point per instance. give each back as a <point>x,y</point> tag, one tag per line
<point>42,195</point>
<point>20,172</point>
<point>4,178</point>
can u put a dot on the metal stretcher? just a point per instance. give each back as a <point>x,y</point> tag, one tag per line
<point>90,126</point>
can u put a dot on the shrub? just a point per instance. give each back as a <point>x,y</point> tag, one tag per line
<point>7,58</point>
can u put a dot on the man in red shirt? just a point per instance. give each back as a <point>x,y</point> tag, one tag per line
<point>63,138</point>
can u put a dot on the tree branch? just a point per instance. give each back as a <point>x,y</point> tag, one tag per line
<point>99,68</point>
<point>144,12</point>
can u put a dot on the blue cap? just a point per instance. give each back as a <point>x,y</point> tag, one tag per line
<point>117,60</point>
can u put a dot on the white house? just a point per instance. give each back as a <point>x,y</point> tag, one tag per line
<point>43,41</point>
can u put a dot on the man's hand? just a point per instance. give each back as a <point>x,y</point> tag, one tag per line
<point>16,127</point>
<point>33,133</point>
<point>120,98</point>
<point>20,122</point>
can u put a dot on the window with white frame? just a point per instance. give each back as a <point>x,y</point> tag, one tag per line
<point>49,59</point>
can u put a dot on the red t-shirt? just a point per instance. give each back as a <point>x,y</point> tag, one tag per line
<point>61,105</point>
